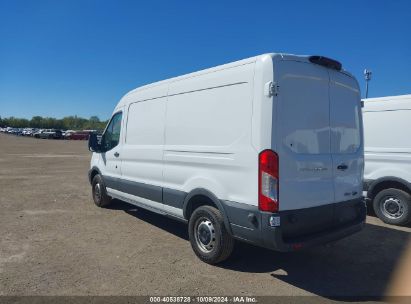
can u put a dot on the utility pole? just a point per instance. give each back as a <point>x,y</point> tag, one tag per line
<point>367,75</point>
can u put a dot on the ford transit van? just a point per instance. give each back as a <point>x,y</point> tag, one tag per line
<point>387,176</point>
<point>266,150</point>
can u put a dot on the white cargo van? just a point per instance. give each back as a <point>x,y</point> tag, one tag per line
<point>387,175</point>
<point>266,150</point>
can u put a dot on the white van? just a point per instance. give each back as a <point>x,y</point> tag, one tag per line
<point>387,175</point>
<point>266,150</point>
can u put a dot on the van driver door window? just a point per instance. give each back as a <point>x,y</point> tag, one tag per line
<point>111,136</point>
<point>111,148</point>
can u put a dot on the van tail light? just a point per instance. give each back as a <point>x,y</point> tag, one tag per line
<point>268,181</point>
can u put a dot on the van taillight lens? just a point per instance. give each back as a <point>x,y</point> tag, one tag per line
<point>268,181</point>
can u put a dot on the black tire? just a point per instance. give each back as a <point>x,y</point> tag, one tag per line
<point>100,197</point>
<point>393,206</point>
<point>219,242</point>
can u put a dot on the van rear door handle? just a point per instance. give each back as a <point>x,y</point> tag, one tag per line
<point>342,167</point>
<point>116,154</point>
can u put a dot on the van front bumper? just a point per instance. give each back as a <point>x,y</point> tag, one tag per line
<point>299,229</point>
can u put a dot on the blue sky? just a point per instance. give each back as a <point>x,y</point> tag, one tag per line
<point>78,57</point>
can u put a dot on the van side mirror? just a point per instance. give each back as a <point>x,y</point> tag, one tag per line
<point>93,144</point>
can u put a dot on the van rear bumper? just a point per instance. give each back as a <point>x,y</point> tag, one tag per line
<point>299,229</point>
<point>273,237</point>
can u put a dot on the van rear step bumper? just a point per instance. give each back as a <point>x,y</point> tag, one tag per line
<point>273,237</point>
<point>298,229</point>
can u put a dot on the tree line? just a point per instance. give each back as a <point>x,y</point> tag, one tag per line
<point>66,123</point>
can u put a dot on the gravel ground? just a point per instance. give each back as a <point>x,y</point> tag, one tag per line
<point>54,241</point>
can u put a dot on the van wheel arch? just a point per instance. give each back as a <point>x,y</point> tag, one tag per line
<point>93,172</point>
<point>385,183</point>
<point>202,197</point>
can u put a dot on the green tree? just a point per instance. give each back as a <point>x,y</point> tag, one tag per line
<point>93,123</point>
<point>36,122</point>
<point>68,123</point>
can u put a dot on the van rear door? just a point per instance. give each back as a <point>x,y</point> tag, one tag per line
<point>346,136</point>
<point>302,135</point>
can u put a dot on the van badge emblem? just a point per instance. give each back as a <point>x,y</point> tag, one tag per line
<point>314,169</point>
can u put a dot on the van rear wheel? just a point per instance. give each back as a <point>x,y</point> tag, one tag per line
<point>100,197</point>
<point>393,206</point>
<point>209,238</point>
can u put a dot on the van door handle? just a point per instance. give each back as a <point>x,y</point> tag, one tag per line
<point>116,154</point>
<point>342,167</point>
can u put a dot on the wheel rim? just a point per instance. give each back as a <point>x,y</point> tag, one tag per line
<point>204,233</point>
<point>392,207</point>
<point>97,192</point>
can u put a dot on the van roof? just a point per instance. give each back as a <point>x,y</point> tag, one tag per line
<point>385,98</point>
<point>283,56</point>
<point>387,103</point>
<point>198,73</point>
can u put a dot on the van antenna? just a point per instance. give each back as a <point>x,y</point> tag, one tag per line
<point>367,76</point>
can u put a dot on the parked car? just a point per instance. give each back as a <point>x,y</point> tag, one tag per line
<point>266,150</point>
<point>36,134</point>
<point>58,134</point>
<point>15,131</point>
<point>67,133</point>
<point>79,135</point>
<point>49,134</point>
<point>387,173</point>
<point>43,134</point>
<point>28,131</point>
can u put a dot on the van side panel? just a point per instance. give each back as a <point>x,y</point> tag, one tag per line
<point>208,135</point>
<point>387,150</point>
<point>142,153</point>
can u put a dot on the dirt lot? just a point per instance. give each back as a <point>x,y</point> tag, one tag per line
<point>54,241</point>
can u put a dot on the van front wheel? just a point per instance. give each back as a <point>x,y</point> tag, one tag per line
<point>393,206</point>
<point>209,238</point>
<point>100,196</point>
